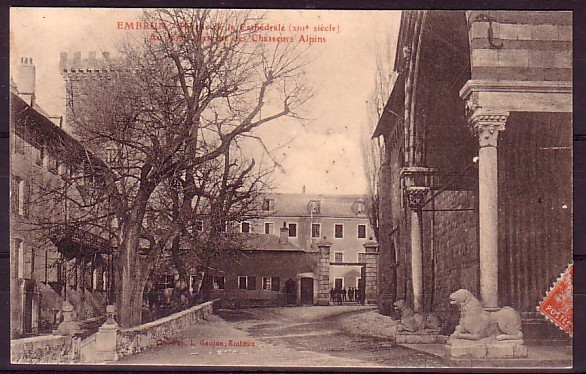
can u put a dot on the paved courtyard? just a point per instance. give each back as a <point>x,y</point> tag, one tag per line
<point>334,336</point>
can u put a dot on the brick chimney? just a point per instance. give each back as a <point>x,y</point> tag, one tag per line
<point>284,234</point>
<point>25,79</point>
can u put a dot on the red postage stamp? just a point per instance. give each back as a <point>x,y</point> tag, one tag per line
<point>558,304</point>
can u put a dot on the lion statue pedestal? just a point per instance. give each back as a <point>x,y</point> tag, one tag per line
<point>485,334</point>
<point>416,328</point>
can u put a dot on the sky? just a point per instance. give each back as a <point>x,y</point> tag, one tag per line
<point>321,153</point>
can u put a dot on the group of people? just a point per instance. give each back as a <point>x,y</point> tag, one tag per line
<point>340,295</point>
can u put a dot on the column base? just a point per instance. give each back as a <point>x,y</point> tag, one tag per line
<point>486,348</point>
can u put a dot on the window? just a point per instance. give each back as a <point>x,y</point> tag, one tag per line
<point>167,281</point>
<point>242,283</point>
<point>314,206</point>
<point>251,283</point>
<point>292,230</point>
<point>339,283</point>
<point>18,144</point>
<point>268,205</point>
<point>46,158</point>
<point>338,256</point>
<point>275,284</point>
<point>315,230</point>
<point>192,281</point>
<point>270,283</point>
<point>359,206</point>
<point>110,155</point>
<point>245,227</point>
<point>231,226</point>
<point>20,196</point>
<point>62,169</point>
<point>15,193</point>
<point>362,257</point>
<point>219,283</point>
<point>247,283</point>
<point>361,231</point>
<point>199,225</point>
<point>40,155</point>
<point>19,257</point>
<point>53,164</point>
<point>269,227</point>
<point>338,231</point>
<point>266,283</point>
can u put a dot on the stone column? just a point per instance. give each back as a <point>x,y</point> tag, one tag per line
<point>106,338</point>
<point>370,280</point>
<point>323,272</point>
<point>416,196</point>
<point>487,127</point>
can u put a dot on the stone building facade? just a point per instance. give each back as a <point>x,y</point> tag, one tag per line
<point>341,219</point>
<point>48,264</point>
<point>267,271</point>
<point>476,176</point>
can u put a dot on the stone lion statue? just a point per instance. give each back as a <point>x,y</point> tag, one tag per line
<point>415,322</point>
<point>477,323</point>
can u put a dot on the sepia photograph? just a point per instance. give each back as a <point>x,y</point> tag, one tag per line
<point>262,188</point>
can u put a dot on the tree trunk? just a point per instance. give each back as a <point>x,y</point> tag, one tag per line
<point>132,270</point>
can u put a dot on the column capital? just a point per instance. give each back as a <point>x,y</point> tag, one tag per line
<point>416,196</point>
<point>486,125</point>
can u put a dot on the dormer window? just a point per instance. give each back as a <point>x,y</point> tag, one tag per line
<point>359,207</point>
<point>268,205</point>
<point>314,206</point>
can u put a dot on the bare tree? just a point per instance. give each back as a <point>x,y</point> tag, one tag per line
<point>178,100</point>
<point>377,166</point>
<point>226,190</point>
<point>373,149</point>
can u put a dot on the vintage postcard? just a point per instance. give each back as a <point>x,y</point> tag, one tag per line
<point>291,188</point>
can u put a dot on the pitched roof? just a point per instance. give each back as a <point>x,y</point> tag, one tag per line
<point>297,205</point>
<point>267,242</point>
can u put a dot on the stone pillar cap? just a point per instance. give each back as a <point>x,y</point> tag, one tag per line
<point>370,243</point>
<point>324,242</point>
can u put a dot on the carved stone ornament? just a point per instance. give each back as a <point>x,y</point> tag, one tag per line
<point>477,323</point>
<point>413,322</point>
<point>487,126</point>
<point>472,104</point>
<point>416,196</point>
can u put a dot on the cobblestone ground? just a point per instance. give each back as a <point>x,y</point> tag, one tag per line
<point>334,336</point>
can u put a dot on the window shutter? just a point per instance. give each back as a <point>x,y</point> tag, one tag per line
<point>251,283</point>
<point>275,285</point>
<point>14,194</point>
<point>27,198</point>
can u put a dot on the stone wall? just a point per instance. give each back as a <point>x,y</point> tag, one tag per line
<point>450,250</point>
<point>524,45</point>
<point>136,339</point>
<point>41,349</point>
<point>258,264</point>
